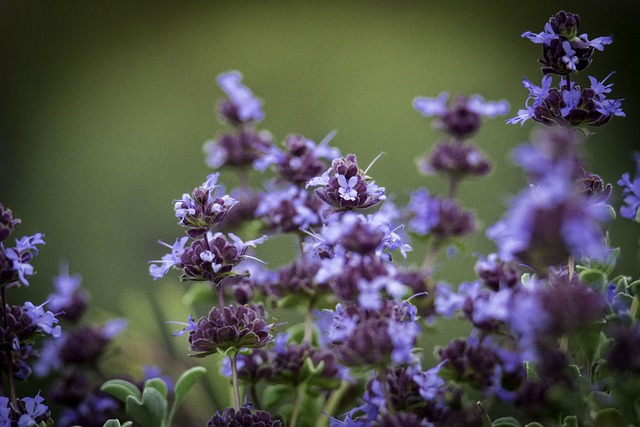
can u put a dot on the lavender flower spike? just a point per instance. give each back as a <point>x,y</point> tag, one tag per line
<point>247,106</point>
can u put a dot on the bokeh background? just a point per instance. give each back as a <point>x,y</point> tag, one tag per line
<point>105,107</point>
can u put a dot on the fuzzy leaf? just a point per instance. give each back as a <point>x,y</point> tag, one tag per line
<point>506,422</point>
<point>149,412</point>
<point>121,389</point>
<point>158,384</point>
<point>186,381</point>
<point>116,423</point>
<point>609,417</point>
<point>570,421</point>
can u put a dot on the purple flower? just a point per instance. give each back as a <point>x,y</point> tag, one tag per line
<point>345,187</point>
<point>68,300</point>
<point>44,319</point>
<point>27,412</point>
<point>235,327</point>
<point>302,159</point>
<point>243,417</point>
<point>403,336</point>
<point>205,208</point>
<point>456,160</point>
<point>168,260</point>
<point>429,382</point>
<point>290,209</point>
<point>245,106</point>
<point>563,50</point>
<point>443,218</point>
<point>568,106</point>
<point>463,117</point>
<point>239,150</point>
<point>549,222</point>
<point>7,222</point>
<point>15,263</point>
<point>631,193</point>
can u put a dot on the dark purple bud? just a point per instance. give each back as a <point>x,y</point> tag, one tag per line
<point>243,418</point>
<point>456,160</point>
<point>7,222</point>
<point>594,188</point>
<point>234,327</point>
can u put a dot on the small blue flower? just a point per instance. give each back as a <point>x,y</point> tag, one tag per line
<point>44,319</point>
<point>424,211</point>
<point>248,107</point>
<point>169,260</point>
<point>631,193</point>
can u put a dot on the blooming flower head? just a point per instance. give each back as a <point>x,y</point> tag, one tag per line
<point>290,209</point>
<point>233,327</point>
<point>631,193</point>
<point>243,417</point>
<point>569,105</point>
<point>443,218</point>
<point>205,208</point>
<point>68,300</point>
<point>15,262</point>
<point>463,117</point>
<point>344,186</point>
<point>26,412</point>
<point>549,222</point>
<point>212,256</point>
<point>301,160</point>
<point>237,150</point>
<point>456,161</point>
<point>563,50</point>
<point>241,106</point>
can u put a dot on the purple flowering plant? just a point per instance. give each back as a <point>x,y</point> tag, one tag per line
<point>554,335</point>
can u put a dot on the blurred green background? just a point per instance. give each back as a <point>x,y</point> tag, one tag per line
<point>105,106</point>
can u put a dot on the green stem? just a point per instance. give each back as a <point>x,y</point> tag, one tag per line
<point>332,403</point>
<point>234,381</point>
<point>385,390</point>
<point>308,324</point>
<point>297,405</point>
<point>220,294</point>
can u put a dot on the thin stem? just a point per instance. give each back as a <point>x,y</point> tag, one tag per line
<point>220,294</point>
<point>297,405</point>
<point>385,390</point>
<point>254,396</point>
<point>9,354</point>
<point>571,267</point>
<point>234,381</point>
<point>308,324</point>
<point>568,80</point>
<point>332,403</point>
<point>453,186</point>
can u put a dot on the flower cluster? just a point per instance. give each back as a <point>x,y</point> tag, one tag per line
<point>565,53</point>
<point>554,336</point>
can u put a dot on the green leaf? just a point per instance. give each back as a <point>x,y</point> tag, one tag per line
<point>570,421</point>
<point>595,279</point>
<point>276,394</point>
<point>186,381</point>
<point>158,384</point>
<point>116,423</point>
<point>506,422</point>
<point>609,417</point>
<point>534,424</point>
<point>121,389</point>
<point>149,412</point>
